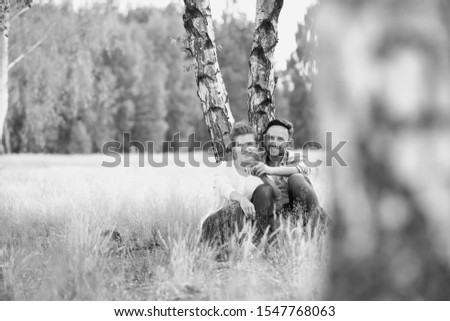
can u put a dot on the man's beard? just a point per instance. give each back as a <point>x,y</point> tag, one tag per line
<point>275,152</point>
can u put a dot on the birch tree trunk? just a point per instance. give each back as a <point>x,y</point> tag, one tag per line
<point>211,88</point>
<point>6,139</point>
<point>383,88</point>
<point>4,23</point>
<point>5,6</point>
<point>261,76</point>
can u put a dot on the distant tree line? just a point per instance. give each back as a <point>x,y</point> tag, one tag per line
<point>99,74</point>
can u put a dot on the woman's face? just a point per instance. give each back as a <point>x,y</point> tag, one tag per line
<point>245,150</point>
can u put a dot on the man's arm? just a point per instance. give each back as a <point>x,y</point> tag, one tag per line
<point>295,159</point>
<point>283,170</point>
<point>294,165</point>
<point>287,170</point>
<point>247,207</point>
<point>223,184</point>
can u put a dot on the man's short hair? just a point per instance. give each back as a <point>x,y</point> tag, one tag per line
<point>280,122</point>
<point>242,128</point>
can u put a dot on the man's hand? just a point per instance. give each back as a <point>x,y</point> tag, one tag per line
<point>247,207</point>
<point>261,169</point>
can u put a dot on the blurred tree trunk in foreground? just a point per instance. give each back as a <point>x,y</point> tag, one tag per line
<point>383,87</point>
<point>261,76</point>
<point>211,88</point>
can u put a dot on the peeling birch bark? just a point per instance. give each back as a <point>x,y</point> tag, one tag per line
<point>211,88</point>
<point>261,77</point>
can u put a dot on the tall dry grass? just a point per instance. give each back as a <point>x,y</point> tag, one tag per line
<point>56,211</point>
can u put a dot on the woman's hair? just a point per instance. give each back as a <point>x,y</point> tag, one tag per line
<point>241,128</point>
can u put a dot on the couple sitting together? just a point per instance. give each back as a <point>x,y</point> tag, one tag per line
<point>255,182</point>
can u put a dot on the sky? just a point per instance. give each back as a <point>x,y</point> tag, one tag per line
<point>292,13</point>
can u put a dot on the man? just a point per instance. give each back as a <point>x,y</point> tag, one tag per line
<point>289,173</point>
<point>240,196</point>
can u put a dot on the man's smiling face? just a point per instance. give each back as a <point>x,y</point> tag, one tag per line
<point>276,140</point>
<point>245,150</point>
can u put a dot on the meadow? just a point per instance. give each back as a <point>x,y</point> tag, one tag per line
<point>56,211</point>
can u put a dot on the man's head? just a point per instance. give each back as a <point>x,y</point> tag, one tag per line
<point>245,146</point>
<point>277,137</point>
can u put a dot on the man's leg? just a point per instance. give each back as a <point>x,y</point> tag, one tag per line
<point>301,192</point>
<point>264,204</point>
<point>219,226</point>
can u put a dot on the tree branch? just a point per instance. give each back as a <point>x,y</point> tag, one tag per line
<point>17,15</point>
<point>30,50</point>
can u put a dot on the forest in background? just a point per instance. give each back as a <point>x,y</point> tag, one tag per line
<point>99,73</point>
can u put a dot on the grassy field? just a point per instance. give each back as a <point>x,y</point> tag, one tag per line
<point>54,211</point>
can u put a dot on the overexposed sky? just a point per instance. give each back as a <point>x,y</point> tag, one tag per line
<point>293,12</point>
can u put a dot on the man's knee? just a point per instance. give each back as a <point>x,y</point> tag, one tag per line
<point>300,187</point>
<point>263,191</point>
<point>263,201</point>
<point>208,229</point>
<point>299,180</point>
<point>213,227</point>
